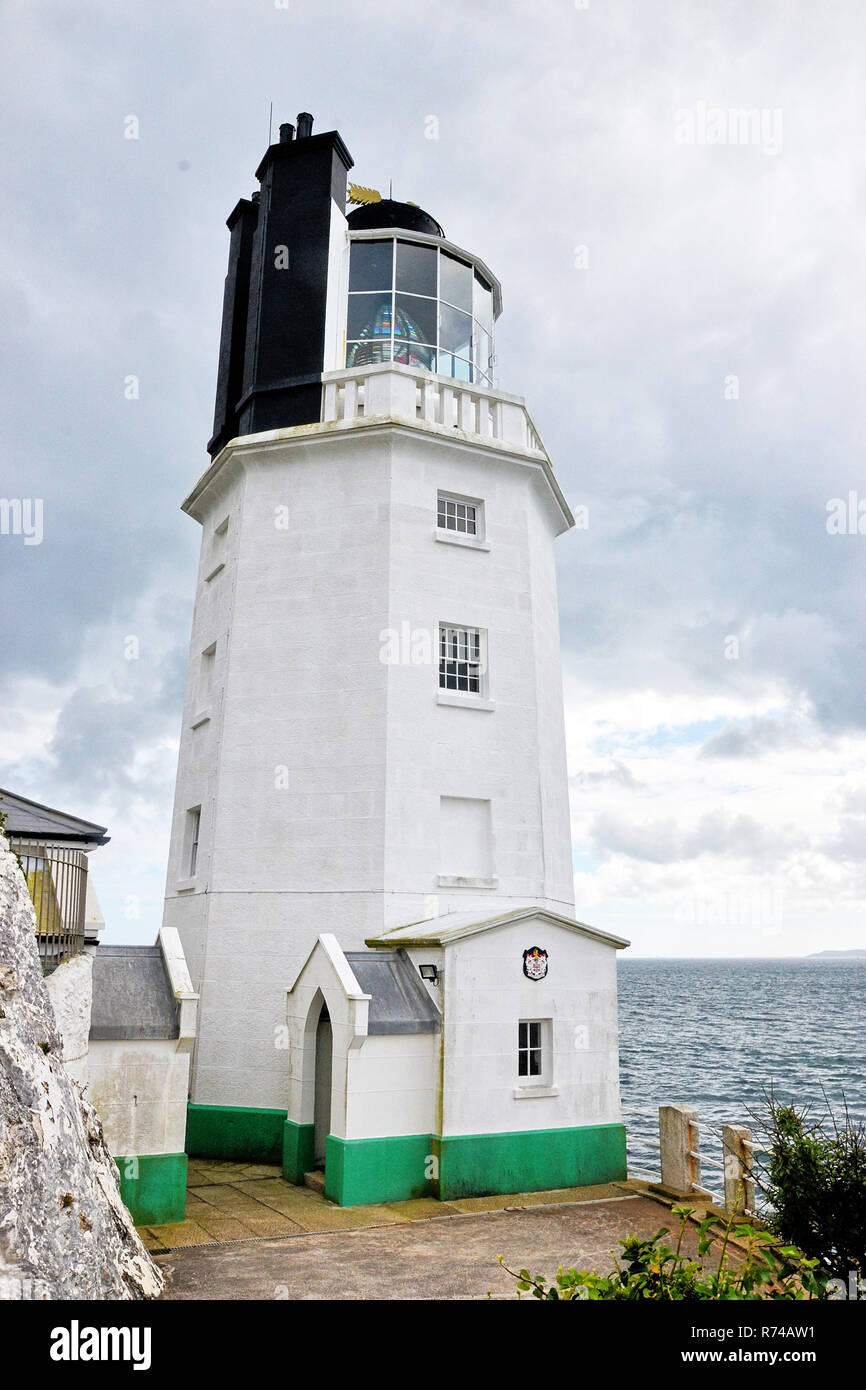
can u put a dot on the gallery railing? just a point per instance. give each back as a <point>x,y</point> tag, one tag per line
<point>57,881</point>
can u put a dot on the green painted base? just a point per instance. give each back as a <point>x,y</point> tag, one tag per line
<point>235,1132</point>
<point>298,1151</point>
<point>153,1186</point>
<point>360,1171</point>
<point>476,1165</point>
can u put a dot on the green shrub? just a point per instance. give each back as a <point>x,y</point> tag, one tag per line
<point>814,1179</point>
<point>649,1268</point>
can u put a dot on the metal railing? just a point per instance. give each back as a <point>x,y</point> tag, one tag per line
<point>57,882</point>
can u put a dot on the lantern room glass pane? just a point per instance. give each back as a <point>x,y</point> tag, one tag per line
<point>458,367</point>
<point>415,318</point>
<point>369,353</point>
<point>369,316</point>
<point>371,265</point>
<point>413,354</point>
<point>455,281</point>
<point>455,331</point>
<point>416,269</point>
<point>483,349</point>
<point>482,303</point>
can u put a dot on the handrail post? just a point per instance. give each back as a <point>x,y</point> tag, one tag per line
<point>679,1142</point>
<point>739,1182</point>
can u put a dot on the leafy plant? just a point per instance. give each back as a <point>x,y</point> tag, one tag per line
<point>651,1269</point>
<point>813,1176</point>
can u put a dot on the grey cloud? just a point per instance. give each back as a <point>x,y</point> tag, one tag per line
<point>664,841</point>
<point>618,775</point>
<point>753,737</point>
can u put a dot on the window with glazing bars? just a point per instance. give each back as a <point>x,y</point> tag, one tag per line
<point>454,515</point>
<point>460,659</point>
<point>193,824</point>
<point>529,1047</point>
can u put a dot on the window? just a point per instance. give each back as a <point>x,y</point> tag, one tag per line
<point>455,515</point>
<point>193,823</point>
<point>460,666</point>
<point>413,303</point>
<point>205,677</point>
<point>530,1052</point>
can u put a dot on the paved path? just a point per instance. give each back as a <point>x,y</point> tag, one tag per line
<point>238,1201</point>
<point>447,1257</point>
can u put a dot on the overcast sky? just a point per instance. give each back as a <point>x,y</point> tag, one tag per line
<point>684,311</point>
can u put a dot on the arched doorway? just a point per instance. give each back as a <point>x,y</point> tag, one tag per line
<point>322,1096</point>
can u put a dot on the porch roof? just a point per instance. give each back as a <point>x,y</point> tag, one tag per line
<point>399,1003</point>
<point>452,926</point>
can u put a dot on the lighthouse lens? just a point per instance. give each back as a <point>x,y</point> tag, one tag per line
<point>415,318</point>
<point>369,316</point>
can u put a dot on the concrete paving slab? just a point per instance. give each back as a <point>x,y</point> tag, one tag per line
<point>180,1233</point>
<point>280,1195</point>
<point>454,1258</point>
<point>222,1227</point>
<point>511,1200</point>
<point>322,1216</point>
<point>418,1209</point>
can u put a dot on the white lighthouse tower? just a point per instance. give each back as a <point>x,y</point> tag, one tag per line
<point>370,863</point>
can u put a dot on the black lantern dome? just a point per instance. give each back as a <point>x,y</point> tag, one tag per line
<point>389,213</point>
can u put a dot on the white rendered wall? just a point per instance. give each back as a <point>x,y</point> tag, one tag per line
<point>393,1087</point>
<point>139,1089</point>
<point>319,767</point>
<point>513,755</point>
<point>380,1085</point>
<point>337,304</point>
<point>486,994</point>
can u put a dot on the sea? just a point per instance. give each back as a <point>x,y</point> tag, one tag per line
<point>720,1035</point>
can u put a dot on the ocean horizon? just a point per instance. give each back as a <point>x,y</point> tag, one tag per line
<point>722,1032</point>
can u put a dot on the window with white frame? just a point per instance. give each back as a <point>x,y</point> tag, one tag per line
<point>460,665</point>
<point>193,825</point>
<point>530,1049</point>
<point>456,514</point>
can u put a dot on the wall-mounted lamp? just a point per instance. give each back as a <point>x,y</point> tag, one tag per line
<point>430,973</point>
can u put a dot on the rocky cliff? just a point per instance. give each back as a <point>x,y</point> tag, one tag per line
<point>64,1232</point>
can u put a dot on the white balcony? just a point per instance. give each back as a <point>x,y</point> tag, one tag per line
<point>392,391</point>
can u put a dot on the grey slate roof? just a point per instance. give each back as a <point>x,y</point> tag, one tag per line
<point>33,820</point>
<point>132,996</point>
<point>400,1003</point>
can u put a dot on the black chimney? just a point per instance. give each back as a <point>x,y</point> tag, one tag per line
<point>272,350</point>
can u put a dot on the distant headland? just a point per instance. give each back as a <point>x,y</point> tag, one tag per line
<point>837,955</point>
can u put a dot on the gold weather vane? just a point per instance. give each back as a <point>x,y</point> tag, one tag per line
<point>357,194</point>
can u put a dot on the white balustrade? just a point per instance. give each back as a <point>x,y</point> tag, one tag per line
<point>394,391</point>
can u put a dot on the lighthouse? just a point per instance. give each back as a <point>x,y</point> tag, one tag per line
<point>370,862</point>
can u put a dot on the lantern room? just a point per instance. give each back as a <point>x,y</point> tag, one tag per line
<point>416,299</point>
